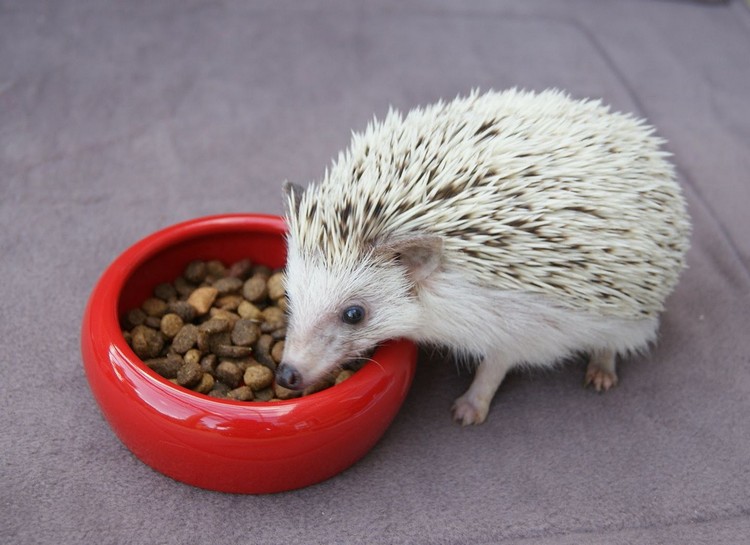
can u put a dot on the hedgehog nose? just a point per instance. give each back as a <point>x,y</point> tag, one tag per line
<point>288,377</point>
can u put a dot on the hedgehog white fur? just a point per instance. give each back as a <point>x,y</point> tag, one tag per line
<point>514,227</point>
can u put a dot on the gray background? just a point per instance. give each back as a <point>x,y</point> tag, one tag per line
<point>120,118</point>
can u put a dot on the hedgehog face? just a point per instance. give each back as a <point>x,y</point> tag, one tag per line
<point>339,311</point>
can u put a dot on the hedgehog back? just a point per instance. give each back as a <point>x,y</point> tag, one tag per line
<point>531,192</point>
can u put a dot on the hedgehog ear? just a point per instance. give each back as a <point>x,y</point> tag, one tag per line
<point>420,254</point>
<point>293,193</point>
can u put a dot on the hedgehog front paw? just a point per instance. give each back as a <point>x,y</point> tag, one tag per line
<point>601,379</point>
<point>468,411</point>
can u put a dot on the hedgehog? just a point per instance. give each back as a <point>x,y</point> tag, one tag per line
<point>514,228</point>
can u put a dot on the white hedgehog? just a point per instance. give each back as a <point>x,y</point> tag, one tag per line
<point>515,228</point>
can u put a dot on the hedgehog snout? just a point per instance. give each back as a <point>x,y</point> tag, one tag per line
<point>288,376</point>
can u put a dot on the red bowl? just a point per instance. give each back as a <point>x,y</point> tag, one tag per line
<point>224,445</point>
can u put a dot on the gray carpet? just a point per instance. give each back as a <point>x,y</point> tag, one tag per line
<point>119,118</point>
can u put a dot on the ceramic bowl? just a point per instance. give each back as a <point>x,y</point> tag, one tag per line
<point>218,444</point>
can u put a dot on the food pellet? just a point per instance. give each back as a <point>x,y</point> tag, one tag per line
<point>219,330</point>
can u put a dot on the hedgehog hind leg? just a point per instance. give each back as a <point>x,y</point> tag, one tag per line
<point>600,372</point>
<point>474,405</point>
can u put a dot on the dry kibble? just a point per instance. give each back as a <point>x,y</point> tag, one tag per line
<point>214,325</point>
<point>192,356</point>
<point>222,314</point>
<point>170,324</point>
<point>202,299</point>
<point>183,287</point>
<point>240,269</point>
<point>189,375</point>
<point>196,272</point>
<point>206,384</point>
<point>285,393</point>
<point>245,332</point>
<point>277,351</point>
<point>229,302</point>
<point>185,338</point>
<point>147,343</point>
<point>273,318</point>
<point>135,317</point>
<point>276,286</point>
<point>166,367</point>
<point>248,310</point>
<point>317,387</point>
<point>183,309</point>
<point>243,393</point>
<point>218,331</point>
<point>165,291</point>
<point>231,351</point>
<point>254,289</point>
<point>153,306</point>
<point>216,268</point>
<point>229,374</point>
<point>258,377</point>
<point>228,285</point>
<point>209,362</point>
<point>262,351</point>
<point>153,322</point>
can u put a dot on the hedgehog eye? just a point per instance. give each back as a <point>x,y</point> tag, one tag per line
<point>353,315</point>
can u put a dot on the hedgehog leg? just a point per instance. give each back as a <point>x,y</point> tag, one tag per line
<point>473,406</point>
<point>600,372</point>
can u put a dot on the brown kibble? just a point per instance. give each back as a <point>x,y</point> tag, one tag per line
<point>202,299</point>
<point>231,351</point>
<point>262,351</point>
<point>219,331</point>
<point>277,351</point>
<point>208,363</point>
<point>183,287</point>
<point>254,289</point>
<point>228,302</point>
<point>216,268</point>
<point>153,322</point>
<point>206,384</point>
<point>147,343</point>
<point>240,269</point>
<point>228,285</point>
<point>343,375</point>
<point>166,367</point>
<point>258,377</point>
<point>228,373</point>
<point>243,393</point>
<point>214,325</point>
<point>183,309</point>
<point>170,324</point>
<point>189,375</point>
<point>276,286</point>
<point>266,394</point>
<point>245,332</point>
<point>248,310</point>
<point>261,270</point>
<point>285,393</point>
<point>135,317</point>
<point>193,356</point>
<point>185,338</point>
<point>165,291</point>
<point>273,318</point>
<point>196,272</point>
<point>153,306</point>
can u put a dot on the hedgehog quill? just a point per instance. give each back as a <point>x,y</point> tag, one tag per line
<point>515,228</point>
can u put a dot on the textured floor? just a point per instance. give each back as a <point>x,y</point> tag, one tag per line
<point>117,119</point>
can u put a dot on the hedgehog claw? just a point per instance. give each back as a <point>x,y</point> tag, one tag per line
<point>600,373</point>
<point>467,412</point>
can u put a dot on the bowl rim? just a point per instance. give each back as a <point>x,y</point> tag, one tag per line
<point>105,299</point>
